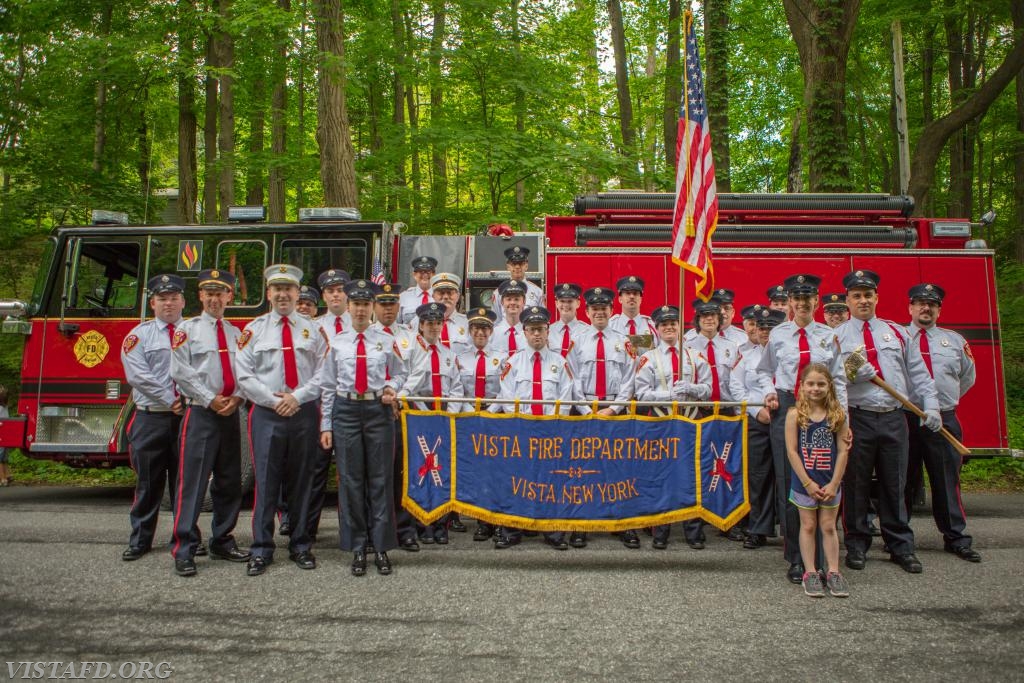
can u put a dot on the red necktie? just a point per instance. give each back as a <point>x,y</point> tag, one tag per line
<point>632,327</point>
<point>291,372</point>
<point>337,324</point>
<point>716,392</point>
<point>926,351</point>
<point>445,339</point>
<point>538,385</point>
<point>225,361</point>
<point>869,347</point>
<point>435,372</point>
<point>511,340</point>
<point>805,358</point>
<point>566,341</point>
<point>600,387</point>
<point>675,363</point>
<point>361,382</point>
<point>388,330</point>
<point>481,375</point>
<point>170,335</point>
<point>424,300</point>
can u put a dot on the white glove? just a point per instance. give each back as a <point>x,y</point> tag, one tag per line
<point>866,373</point>
<point>682,391</point>
<point>932,420</point>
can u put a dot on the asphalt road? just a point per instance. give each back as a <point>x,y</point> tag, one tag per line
<point>468,612</point>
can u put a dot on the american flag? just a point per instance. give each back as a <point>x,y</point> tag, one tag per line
<point>696,210</point>
<point>377,273</point>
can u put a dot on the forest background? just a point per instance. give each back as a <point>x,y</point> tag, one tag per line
<point>449,115</point>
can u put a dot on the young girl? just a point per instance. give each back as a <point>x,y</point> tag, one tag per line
<point>817,448</point>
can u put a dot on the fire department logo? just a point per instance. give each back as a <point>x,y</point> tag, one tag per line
<point>92,347</point>
<point>244,339</point>
<point>130,342</point>
<point>179,338</point>
<point>719,471</point>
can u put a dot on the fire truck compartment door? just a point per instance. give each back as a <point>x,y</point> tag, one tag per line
<point>12,431</point>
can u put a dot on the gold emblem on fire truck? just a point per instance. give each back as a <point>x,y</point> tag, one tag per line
<point>91,348</point>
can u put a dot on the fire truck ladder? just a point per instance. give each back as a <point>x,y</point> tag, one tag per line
<point>725,458</point>
<point>430,456</point>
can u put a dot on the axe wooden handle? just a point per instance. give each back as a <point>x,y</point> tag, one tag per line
<point>960,448</point>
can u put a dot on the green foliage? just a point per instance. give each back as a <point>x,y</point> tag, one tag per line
<point>30,471</point>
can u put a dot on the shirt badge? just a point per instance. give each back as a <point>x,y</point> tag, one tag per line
<point>554,368</point>
<point>305,334</point>
<point>405,343</point>
<point>178,339</point>
<point>244,339</point>
<point>130,342</point>
<point>494,361</point>
<point>945,342</point>
<point>380,347</point>
<point>887,337</point>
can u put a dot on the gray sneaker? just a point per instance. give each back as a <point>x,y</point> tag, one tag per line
<point>837,585</point>
<point>812,585</point>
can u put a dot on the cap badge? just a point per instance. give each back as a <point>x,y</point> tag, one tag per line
<point>632,278</point>
<point>533,310</point>
<point>665,309</point>
<point>800,278</point>
<point>165,279</point>
<point>929,287</point>
<point>283,269</point>
<point>859,273</point>
<point>361,283</point>
<point>387,288</point>
<point>214,273</point>
<point>597,290</point>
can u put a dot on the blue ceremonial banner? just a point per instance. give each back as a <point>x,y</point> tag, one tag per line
<point>584,473</point>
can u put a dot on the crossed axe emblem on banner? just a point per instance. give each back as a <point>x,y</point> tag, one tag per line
<point>430,464</point>
<point>718,471</point>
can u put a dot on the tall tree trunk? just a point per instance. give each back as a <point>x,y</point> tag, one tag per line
<point>935,135</point>
<point>99,143</point>
<point>142,163</point>
<point>822,30</point>
<point>278,121</point>
<point>337,158</point>
<point>438,147</point>
<point>927,98</point>
<point>520,99</point>
<point>397,137</point>
<point>254,168</point>
<point>188,182</point>
<point>591,114</point>
<point>414,152</point>
<point>300,105</point>
<point>961,74</point>
<point>673,87</point>
<point>628,149</point>
<point>1017,10</point>
<point>226,112</point>
<point>210,131</point>
<point>716,51</point>
<point>650,153</point>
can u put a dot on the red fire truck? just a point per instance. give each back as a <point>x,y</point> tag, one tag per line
<point>74,402</point>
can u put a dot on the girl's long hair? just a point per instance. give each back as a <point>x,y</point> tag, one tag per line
<point>833,411</point>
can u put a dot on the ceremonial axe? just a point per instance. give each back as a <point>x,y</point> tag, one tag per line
<point>853,363</point>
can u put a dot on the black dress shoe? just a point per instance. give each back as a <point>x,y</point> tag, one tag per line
<point>285,529</point>
<point>754,541</point>
<point>303,559</point>
<point>630,539</point>
<point>229,554</point>
<point>733,534</point>
<point>908,562</point>
<point>441,535</point>
<point>186,567</point>
<point>409,544</point>
<point>427,536</point>
<point>856,559</point>
<point>503,542</point>
<point>659,543</point>
<point>556,542</point>
<point>795,574</point>
<point>383,563</point>
<point>483,532</point>
<point>131,553</point>
<point>257,565</point>
<point>201,550</point>
<point>696,545</point>
<point>359,563</point>
<point>578,539</point>
<point>456,525</point>
<point>964,553</point>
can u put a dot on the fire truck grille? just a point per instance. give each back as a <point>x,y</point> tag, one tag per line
<point>74,428</point>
